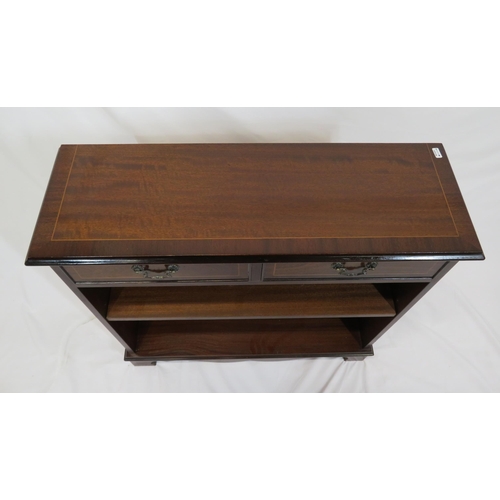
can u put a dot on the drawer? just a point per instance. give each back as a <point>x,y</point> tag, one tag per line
<point>158,272</point>
<point>350,270</point>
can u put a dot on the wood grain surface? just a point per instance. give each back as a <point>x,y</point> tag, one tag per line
<point>324,270</point>
<point>186,272</point>
<point>245,339</point>
<point>230,192</point>
<point>207,201</point>
<point>251,301</point>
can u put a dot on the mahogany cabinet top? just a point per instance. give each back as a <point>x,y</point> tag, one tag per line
<point>251,202</point>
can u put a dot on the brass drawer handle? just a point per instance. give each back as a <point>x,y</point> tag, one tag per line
<point>341,269</point>
<point>154,274</point>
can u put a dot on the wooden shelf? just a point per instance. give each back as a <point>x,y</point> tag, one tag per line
<point>199,251</point>
<point>245,339</point>
<point>251,302</point>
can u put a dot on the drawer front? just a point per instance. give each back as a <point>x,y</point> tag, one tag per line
<point>159,272</point>
<point>350,270</point>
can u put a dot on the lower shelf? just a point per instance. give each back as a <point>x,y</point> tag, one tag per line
<point>234,339</point>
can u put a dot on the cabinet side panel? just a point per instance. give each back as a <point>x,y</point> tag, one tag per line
<point>405,298</point>
<point>96,299</point>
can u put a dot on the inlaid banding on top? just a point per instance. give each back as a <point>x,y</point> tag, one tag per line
<point>253,191</point>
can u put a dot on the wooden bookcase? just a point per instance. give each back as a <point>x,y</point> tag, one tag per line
<point>238,251</point>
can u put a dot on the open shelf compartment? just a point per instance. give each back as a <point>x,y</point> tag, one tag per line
<point>258,338</point>
<point>203,323</point>
<point>250,302</point>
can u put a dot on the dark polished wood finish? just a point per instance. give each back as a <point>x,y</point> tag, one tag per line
<point>405,296</point>
<point>324,271</point>
<point>252,231</point>
<point>97,299</point>
<point>246,302</point>
<point>186,272</point>
<point>245,339</point>
<point>127,203</point>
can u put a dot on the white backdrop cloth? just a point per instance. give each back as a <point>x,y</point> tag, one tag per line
<point>50,342</point>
